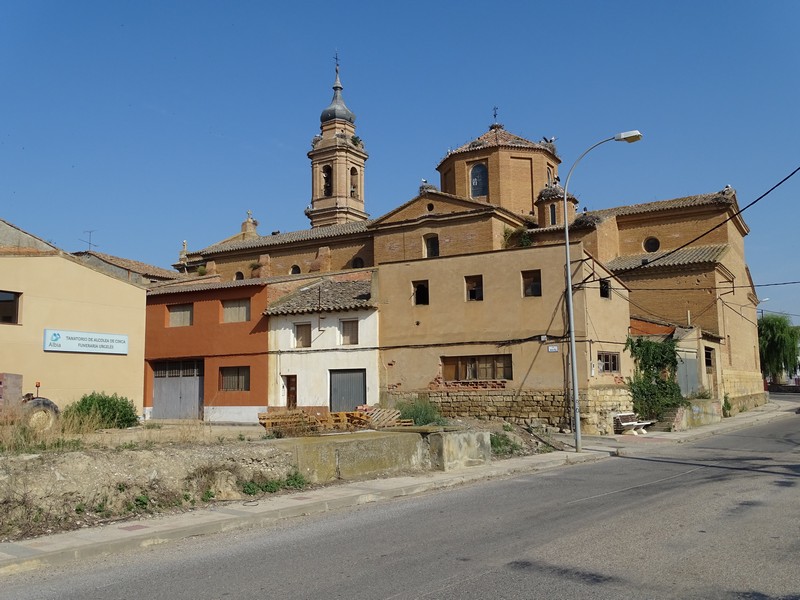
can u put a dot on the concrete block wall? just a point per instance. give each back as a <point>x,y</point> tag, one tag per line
<point>747,385</point>
<point>597,414</point>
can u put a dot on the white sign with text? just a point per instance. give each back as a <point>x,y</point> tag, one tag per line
<point>58,340</point>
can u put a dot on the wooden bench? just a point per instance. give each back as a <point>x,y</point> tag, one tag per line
<point>630,424</point>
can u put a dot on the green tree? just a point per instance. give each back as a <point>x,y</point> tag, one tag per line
<point>777,345</point>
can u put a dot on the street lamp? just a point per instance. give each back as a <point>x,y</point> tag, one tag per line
<point>761,310</point>
<point>625,136</point>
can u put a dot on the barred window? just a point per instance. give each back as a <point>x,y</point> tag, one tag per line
<point>488,367</point>
<point>181,315</point>
<point>608,362</point>
<point>234,379</point>
<point>236,311</point>
<point>605,288</point>
<point>177,368</point>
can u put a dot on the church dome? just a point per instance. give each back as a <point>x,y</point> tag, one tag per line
<point>337,109</point>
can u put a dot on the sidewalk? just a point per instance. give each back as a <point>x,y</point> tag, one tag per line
<point>85,543</point>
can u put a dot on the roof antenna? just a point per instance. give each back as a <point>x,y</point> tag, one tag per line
<point>89,241</point>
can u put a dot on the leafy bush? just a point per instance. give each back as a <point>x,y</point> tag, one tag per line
<point>108,411</point>
<point>422,412</point>
<point>502,445</point>
<point>295,480</point>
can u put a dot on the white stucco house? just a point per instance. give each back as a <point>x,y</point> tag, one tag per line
<point>323,346</point>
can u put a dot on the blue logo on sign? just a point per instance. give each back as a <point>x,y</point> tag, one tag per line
<point>55,337</point>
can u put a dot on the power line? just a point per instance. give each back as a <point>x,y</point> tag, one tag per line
<point>777,312</point>
<point>718,225</point>
<point>684,289</point>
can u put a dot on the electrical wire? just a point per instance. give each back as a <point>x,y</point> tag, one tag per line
<point>718,225</point>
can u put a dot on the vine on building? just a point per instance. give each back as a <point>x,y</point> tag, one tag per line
<point>654,386</point>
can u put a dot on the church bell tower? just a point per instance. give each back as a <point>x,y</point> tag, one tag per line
<point>337,166</point>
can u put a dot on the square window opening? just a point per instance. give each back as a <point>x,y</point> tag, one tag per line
<point>608,362</point>
<point>349,331</point>
<point>605,288</point>
<point>421,294</point>
<point>532,283</point>
<point>236,311</point>
<point>302,335</point>
<point>181,315</point>
<point>474,287</point>
<point>9,307</point>
<point>234,379</point>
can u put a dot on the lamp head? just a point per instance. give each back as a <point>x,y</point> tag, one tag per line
<point>628,136</point>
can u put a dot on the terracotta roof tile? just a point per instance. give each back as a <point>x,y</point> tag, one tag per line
<point>324,296</point>
<point>192,285</point>
<point>724,197</point>
<point>316,233</point>
<point>692,255</point>
<point>496,137</point>
<point>131,265</point>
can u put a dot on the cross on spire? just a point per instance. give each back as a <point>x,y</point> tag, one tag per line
<point>494,112</point>
<point>336,60</point>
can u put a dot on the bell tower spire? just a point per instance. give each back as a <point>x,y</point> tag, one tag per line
<point>337,165</point>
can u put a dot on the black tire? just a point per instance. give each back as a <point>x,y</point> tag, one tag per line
<point>41,414</point>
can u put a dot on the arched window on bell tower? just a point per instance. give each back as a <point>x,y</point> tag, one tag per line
<point>353,182</point>
<point>479,181</point>
<point>327,181</point>
<point>552,214</point>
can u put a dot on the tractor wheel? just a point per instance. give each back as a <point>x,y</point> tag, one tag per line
<point>41,414</point>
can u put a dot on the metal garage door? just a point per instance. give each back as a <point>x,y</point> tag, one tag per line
<point>178,389</point>
<point>348,389</point>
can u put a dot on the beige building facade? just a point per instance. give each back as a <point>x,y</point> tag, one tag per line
<point>68,326</point>
<point>485,334</point>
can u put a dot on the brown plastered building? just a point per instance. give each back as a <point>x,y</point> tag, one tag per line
<point>484,334</point>
<point>500,200</point>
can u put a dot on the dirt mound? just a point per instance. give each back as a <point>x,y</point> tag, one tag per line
<point>50,492</point>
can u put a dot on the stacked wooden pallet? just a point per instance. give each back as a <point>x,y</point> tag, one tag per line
<point>290,422</point>
<point>296,422</point>
<point>386,417</point>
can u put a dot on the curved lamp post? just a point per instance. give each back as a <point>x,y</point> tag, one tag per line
<point>626,136</point>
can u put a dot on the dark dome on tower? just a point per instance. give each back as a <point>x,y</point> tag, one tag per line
<point>337,109</point>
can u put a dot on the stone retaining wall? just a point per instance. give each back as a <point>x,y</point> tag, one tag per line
<point>545,407</point>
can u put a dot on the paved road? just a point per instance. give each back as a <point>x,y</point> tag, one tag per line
<point>716,518</point>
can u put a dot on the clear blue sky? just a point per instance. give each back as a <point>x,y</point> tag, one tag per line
<point>154,122</point>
